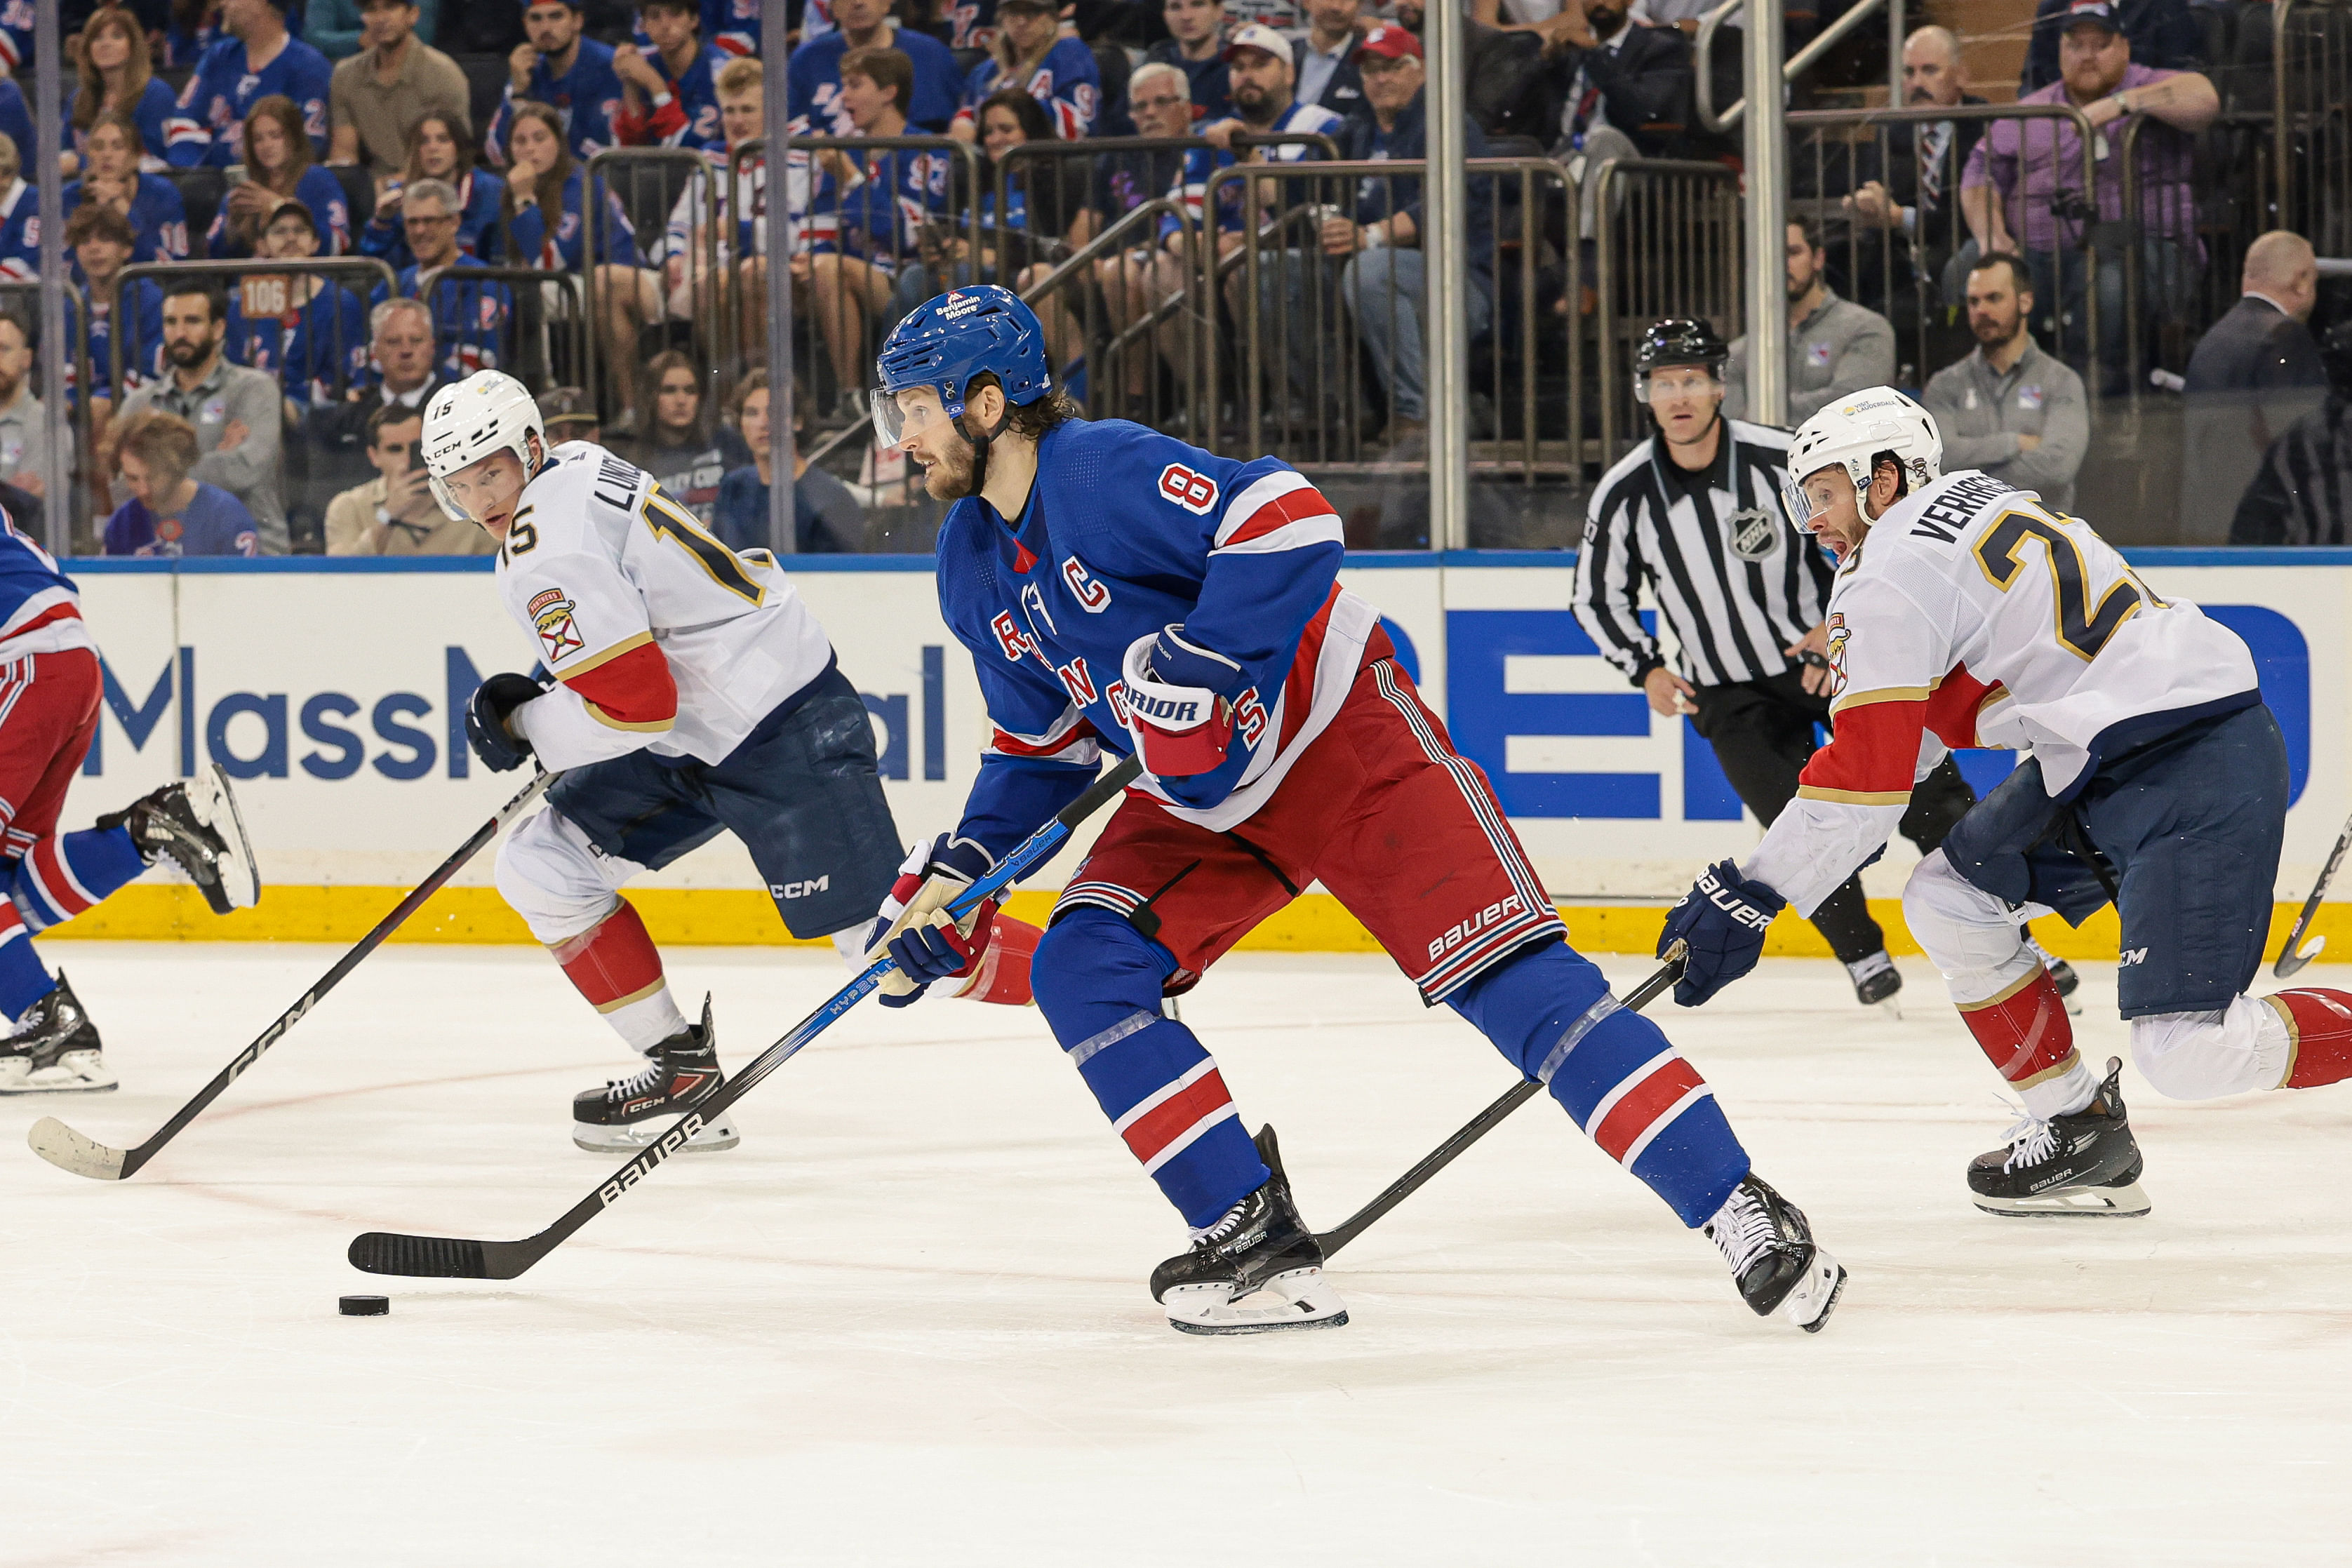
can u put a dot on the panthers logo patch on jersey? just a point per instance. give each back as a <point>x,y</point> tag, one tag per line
<point>554,618</point>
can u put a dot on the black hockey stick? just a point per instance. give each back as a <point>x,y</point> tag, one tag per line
<point>450,1258</point>
<point>2292,953</point>
<point>1479,1126</point>
<point>69,1150</point>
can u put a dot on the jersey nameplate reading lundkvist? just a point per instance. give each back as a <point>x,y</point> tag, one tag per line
<point>661,636</point>
<point>1973,615</point>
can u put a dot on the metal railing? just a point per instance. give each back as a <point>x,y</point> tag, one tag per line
<point>1667,243</point>
<point>541,347</point>
<point>55,399</point>
<point>652,184</point>
<point>1828,39</point>
<point>2310,62</point>
<point>166,274</point>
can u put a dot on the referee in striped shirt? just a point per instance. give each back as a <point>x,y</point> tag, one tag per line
<point>1694,512</point>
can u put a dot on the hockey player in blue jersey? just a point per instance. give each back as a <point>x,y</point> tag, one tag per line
<point>1119,589</point>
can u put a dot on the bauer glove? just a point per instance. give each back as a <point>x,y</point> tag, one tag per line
<point>1179,704</point>
<point>487,731</point>
<point>1724,917</point>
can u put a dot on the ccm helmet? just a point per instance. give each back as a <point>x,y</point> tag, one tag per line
<point>1678,340</point>
<point>487,411</point>
<point>1852,435</point>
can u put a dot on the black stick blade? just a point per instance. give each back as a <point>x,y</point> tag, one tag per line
<point>419,1256</point>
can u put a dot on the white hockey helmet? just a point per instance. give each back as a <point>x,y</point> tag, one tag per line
<point>466,421</point>
<point>1851,434</point>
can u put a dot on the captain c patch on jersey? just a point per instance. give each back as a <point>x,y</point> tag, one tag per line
<point>551,618</point>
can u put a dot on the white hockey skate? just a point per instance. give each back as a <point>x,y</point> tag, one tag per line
<point>1774,1259</point>
<point>1256,1270</point>
<point>196,826</point>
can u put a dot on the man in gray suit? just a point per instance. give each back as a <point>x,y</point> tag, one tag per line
<point>2255,372</point>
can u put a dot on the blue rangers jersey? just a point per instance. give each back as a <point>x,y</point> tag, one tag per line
<point>209,126</point>
<point>1127,531</point>
<point>20,233</point>
<point>158,218</point>
<point>813,85</point>
<point>1067,82</point>
<point>586,98</point>
<point>154,111</point>
<point>307,347</point>
<point>881,217</point>
<point>41,608</point>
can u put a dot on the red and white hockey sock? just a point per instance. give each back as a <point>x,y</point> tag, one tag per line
<point>2319,1025</point>
<point>2024,1031</point>
<point>619,970</point>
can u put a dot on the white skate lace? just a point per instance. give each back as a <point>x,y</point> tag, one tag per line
<point>1225,1228</point>
<point>1742,1230</point>
<point>650,1077</point>
<point>2030,1141</point>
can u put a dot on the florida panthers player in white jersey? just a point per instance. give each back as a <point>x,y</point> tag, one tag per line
<point>692,692</point>
<point>1968,613</point>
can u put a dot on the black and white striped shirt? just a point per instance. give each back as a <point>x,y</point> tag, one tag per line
<point>1736,580</point>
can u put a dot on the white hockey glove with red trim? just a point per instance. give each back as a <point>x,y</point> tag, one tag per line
<point>912,927</point>
<point>1177,708</point>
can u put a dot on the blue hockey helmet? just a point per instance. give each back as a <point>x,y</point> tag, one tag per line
<point>945,342</point>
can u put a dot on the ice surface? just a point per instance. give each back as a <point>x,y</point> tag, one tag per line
<point>905,1323</point>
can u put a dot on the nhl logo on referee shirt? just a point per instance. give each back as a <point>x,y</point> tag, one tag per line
<point>1755,534</point>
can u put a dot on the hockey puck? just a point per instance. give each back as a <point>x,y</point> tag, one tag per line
<point>365,1306</point>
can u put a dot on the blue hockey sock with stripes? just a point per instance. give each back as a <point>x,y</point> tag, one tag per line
<point>63,875</point>
<point>23,980</point>
<point>1097,979</point>
<point>1615,1073</point>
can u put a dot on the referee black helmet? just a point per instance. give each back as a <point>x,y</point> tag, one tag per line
<point>1678,340</point>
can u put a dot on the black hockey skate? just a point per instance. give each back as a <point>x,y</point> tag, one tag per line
<point>54,1049</point>
<point>2083,1164</point>
<point>1770,1248</point>
<point>1260,1248</point>
<point>631,1112</point>
<point>197,825</point>
<point>1876,983</point>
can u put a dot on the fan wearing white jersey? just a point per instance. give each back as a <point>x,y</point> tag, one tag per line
<point>692,692</point>
<point>1968,613</point>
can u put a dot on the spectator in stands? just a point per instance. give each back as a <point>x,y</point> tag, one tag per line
<point>2022,171</point>
<point>337,28</point>
<point>669,98</point>
<point>1326,52</point>
<point>875,204</point>
<point>827,517</point>
<point>677,282</point>
<point>1915,188</point>
<point>195,27</point>
<point>404,369</point>
<point>395,512</point>
<point>169,512</point>
<point>1834,346</point>
<point>2302,494</point>
<point>546,191</point>
<point>377,94</point>
<point>1136,280</point>
<point>1262,76</point>
<point>469,316</point>
<point>1616,80</point>
<point>158,218</point>
<point>1385,281</point>
<point>2163,36</point>
<point>17,117</point>
<point>439,149</point>
<point>1031,54</point>
<point>307,331</point>
<point>100,238</point>
<point>24,446</point>
<point>2255,373</point>
<point>568,413</point>
<point>279,169</point>
<point>116,72</point>
<point>233,412</point>
<point>20,234</point>
<point>813,84</point>
<point>257,57</point>
<point>1196,44</point>
<point>677,447</point>
<point>2008,408</point>
<point>572,75</point>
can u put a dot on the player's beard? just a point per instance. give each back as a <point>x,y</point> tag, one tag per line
<point>949,478</point>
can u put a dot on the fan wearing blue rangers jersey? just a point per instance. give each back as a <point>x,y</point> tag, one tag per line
<point>1119,589</point>
<point>572,75</point>
<point>49,691</point>
<point>1058,72</point>
<point>813,75</point>
<point>691,692</point>
<point>258,58</point>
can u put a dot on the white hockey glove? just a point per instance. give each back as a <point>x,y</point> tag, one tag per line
<point>1182,725</point>
<point>912,927</point>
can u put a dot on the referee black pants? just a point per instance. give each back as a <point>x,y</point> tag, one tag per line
<point>1762,732</point>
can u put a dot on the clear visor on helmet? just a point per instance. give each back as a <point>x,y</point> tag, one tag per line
<point>1808,499</point>
<point>909,412</point>
<point>1672,381</point>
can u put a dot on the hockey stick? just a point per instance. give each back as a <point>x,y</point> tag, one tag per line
<point>69,1150</point>
<point>2292,953</point>
<point>1484,1122</point>
<point>450,1258</point>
